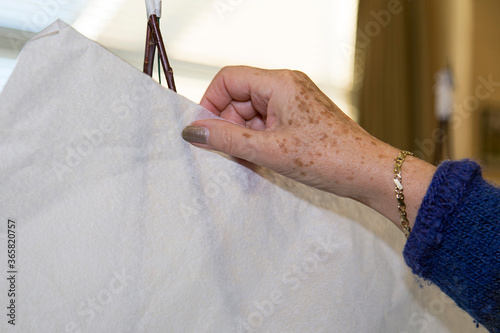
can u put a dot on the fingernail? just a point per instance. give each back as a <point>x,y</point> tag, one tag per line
<point>195,134</point>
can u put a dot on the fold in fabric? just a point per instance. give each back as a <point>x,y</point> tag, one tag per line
<point>153,7</point>
<point>121,226</point>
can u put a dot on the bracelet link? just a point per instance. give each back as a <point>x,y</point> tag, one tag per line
<point>398,183</point>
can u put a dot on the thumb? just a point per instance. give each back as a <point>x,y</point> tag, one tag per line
<point>228,138</point>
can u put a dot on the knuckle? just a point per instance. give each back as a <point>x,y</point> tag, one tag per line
<point>225,69</point>
<point>299,74</point>
<point>295,77</point>
<point>228,144</point>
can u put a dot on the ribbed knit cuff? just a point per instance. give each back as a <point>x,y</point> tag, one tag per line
<point>455,242</point>
<point>446,191</point>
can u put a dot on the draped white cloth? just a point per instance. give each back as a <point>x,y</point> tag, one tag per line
<point>121,226</point>
<point>153,7</point>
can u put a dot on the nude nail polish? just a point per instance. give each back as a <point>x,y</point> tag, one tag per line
<point>195,134</point>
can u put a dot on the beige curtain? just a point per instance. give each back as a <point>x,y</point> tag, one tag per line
<point>393,83</point>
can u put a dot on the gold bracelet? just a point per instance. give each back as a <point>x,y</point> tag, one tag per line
<point>398,181</point>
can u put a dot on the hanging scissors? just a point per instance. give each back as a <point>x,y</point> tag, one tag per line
<point>154,40</point>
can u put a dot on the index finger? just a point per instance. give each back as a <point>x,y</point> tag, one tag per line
<point>240,84</point>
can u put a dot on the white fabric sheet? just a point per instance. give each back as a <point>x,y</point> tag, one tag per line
<point>121,226</point>
<point>153,7</point>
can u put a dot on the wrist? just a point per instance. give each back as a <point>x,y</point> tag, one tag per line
<point>376,188</point>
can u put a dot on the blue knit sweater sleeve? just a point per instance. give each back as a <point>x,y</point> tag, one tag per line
<point>455,242</point>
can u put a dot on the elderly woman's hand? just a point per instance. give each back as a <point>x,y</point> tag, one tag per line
<point>288,125</point>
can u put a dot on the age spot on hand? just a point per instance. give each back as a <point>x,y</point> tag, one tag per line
<point>298,162</point>
<point>246,135</point>
<point>283,147</point>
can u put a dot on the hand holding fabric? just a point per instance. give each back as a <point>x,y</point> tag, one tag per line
<point>281,120</point>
